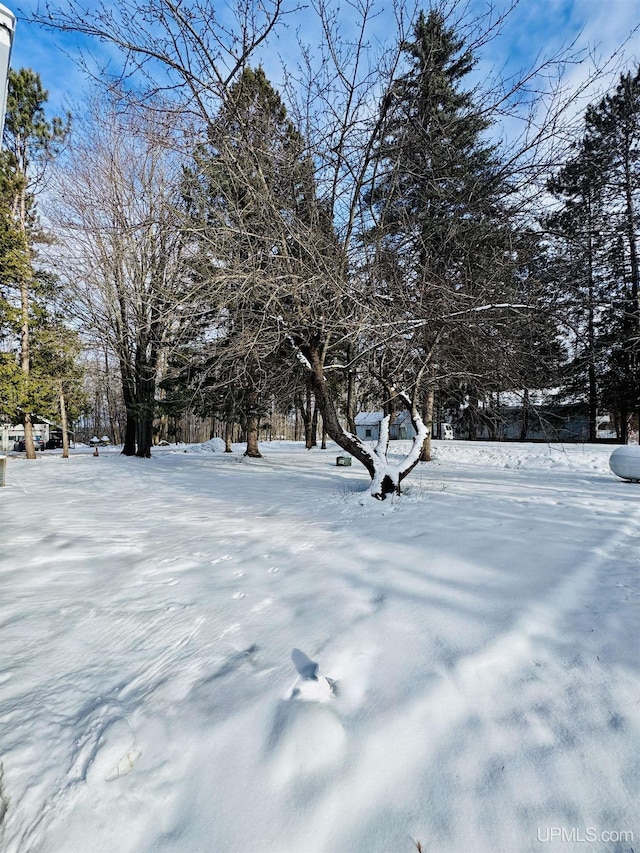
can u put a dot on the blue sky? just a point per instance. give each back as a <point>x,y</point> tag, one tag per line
<point>537,27</point>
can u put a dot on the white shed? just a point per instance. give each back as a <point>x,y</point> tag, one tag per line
<point>368,425</point>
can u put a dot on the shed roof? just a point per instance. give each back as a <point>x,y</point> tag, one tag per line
<point>368,418</point>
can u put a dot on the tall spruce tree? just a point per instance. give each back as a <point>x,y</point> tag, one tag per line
<point>443,245</point>
<point>250,184</point>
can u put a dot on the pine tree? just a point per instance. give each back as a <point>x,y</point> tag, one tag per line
<point>31,141</point>
<point>56,352</point>
<point>442,241</point>
<point>578,252</point>
<point>613,137</point>
<point>250,190</point>
<point>437,178</point>
<point>618,119</point>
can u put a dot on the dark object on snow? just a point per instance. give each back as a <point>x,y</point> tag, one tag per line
<point>343,460</point>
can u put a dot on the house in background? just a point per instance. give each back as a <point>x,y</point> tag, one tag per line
<point>537,415</point>
<point>401,427</point>
<point>45,434</point>
<point>368,427</point>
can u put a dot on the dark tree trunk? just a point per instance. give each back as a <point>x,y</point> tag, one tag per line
<point>146,411</point>
<point>346,441</point>
<point>252,449</point>
<point>593,404</point>
<point>131,426</point>
<point>130,431</point>
<point>25,358</point>
<point>314,426</point>
<point>634,320</point>
<point>524,429</point>
<point>385,479</point>
<point>144,435</point>
<point>29,443</point>
<point>308,413</point>
<point>228,436</point>
<point>591,339</point>
<point>351,394</point>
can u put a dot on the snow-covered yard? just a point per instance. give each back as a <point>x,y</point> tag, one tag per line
<point>201,652</point>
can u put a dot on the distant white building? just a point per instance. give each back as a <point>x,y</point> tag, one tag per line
<point>368,427</point>
<point>402,426</point>
<point>12,434</point>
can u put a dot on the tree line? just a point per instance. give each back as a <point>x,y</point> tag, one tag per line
<point>359,236</point>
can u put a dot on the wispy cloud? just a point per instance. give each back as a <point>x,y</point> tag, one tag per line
<point>536,28</point>
<point>594,31</point>
<point>56,57</point>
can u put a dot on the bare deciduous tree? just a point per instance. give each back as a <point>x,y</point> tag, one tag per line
<point>120,250</point>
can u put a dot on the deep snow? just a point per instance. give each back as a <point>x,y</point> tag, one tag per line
<point>201,652</point>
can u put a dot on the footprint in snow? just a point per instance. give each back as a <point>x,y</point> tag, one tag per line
<point>238,595</point>
<point>320,689</point>
<point>307,739</point>
<point>114,754</point>
<point>310,686</point>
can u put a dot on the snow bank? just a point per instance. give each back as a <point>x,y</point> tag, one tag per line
<point>214,445</point>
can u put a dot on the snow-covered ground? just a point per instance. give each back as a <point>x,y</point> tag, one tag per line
<point>201,652</point>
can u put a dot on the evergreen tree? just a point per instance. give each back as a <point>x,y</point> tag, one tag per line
<point>56,352</point>
<point>578,252</point>
<point>13,260</point>
<point>615,123</point>
<point>247,195</point>
<point>31,141</point>
<point>437,180</point>
<point>443,240</point>
<point>597,226</point>
<point>14,268</point>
